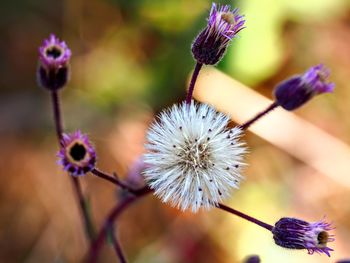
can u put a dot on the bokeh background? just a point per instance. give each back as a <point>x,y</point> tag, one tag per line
<point>131,59</point>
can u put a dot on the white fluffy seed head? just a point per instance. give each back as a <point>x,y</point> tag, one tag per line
<point>193,159</point>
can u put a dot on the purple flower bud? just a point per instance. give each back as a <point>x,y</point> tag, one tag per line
<point>252,259</point>
<point>53,71</point>
<point>77,156</point>
<point>294,92</point>
<point>298,234</point>
<point>223,25</point>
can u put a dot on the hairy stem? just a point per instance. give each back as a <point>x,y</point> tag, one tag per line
<point>247,124</point>
<point>75,181</point>
<point>244,216</point>
<point>193,82</point>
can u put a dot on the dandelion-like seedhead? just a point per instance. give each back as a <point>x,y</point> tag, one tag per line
<point>298,234</point>
<point>194,160</point>
<point>295,91</point>
<point>54,56</point>
<point>223,25</point>
<point>77,155</point>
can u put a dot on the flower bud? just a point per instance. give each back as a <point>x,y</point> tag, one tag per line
<point>77,156</point>
<point>252,259</point>
<point>298,234</point>
<point>53,69</point>
<point>295,91</point>
<point>223,25</point>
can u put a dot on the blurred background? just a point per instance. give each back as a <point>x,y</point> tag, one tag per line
<point>131,59</point>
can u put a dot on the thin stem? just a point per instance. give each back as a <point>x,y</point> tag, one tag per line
<point>84,209</point>
<point>113,179</point>
<point>116,245</point>
<point>112,216</point>
<point>244,216</point>
<point>247,124</point>
<point>75,181</point>
<point>57,114</point>
<point>193,82</point>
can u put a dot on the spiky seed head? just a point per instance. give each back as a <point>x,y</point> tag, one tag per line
<point>193,159</point>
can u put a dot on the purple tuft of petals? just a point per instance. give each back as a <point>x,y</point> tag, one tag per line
<point>225,22</point>
<point>315,78</point>
<point>77,155</point>
<point>297,90</point>
<point>211,43</point>
<point>54,53</point>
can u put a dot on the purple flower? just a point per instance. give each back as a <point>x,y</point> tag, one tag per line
<point>54,56</point>
<point>298,234</point>
<point>223,25</point>
<point>77,155</point>
<point>54,53</point>
<point>295,91</point>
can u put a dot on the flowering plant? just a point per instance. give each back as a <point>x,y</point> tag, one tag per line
<point>193,158</point>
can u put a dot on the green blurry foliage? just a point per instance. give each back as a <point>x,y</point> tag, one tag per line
<point>172,16</point>
<point>146,57</point>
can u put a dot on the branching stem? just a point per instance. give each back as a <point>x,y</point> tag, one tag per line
<point>111,218</point>
<point>113,180</point>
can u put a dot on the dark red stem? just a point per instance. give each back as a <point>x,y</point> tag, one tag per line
<point>113,180</point>
<point>244,216</point>
<point>116,245</point>
<point>247,124</point>
<point>112,216</point>
<point>57,114</point>
<point>193,82</point>
<point>84,209</point>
